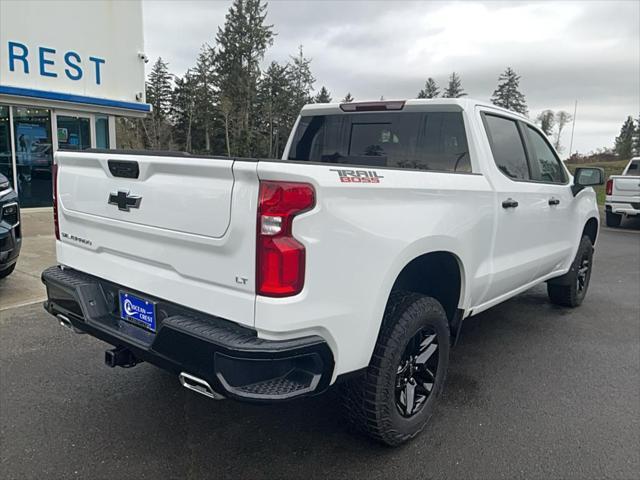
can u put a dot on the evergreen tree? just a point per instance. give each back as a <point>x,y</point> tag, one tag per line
<point>158,88</point>
<point>454,88</point>
<point>183,108</point>
<point>430,89</point>
<point>159,94</point>
<point>546,119</point>
<point>241,45</point>
<point>624,141</point>
<point>207,117</point>
<point>348,98</point>
<point>323,96</point>
<point>301,80</point>
<point>507,94</point>
<point>275,117</point>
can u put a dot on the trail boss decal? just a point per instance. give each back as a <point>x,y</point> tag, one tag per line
<point>358,176</point>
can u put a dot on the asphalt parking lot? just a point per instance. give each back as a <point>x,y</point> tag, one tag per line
<point>534,391</point>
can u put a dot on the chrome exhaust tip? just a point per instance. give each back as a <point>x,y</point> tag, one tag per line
<point>198,385</point>
<point>65,322</point>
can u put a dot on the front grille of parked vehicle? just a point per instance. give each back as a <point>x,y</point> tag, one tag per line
<point>10,213</point>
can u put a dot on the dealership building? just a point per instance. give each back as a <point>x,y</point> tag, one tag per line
<point>67,70</point>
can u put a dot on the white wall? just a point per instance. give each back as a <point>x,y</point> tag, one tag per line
<point>109,30</point>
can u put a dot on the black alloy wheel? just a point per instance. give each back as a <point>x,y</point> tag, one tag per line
<point>417,372</point>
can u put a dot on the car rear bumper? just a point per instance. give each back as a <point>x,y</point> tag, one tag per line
<point>628,207</point>
<point>232,359</point>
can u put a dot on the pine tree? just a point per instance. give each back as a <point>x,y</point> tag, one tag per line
<point>183,108</point>
<point>158,88</point>
<point>507,94</point>
<point>275,100</point>
<point>301,80</point>
<point>546,120</point>
<point>454,88</point>
<point>323,96</point>
<point>207,118</point>
<point>624,141</point>
<point>159,94</point>
<point>241,45</point>
<point>348,98</point>
<point>430,89</point>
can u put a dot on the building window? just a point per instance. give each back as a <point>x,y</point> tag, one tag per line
<point>34,155</point>
<point>102,131</point>
<point>6,162</point>
<point>74,133</point>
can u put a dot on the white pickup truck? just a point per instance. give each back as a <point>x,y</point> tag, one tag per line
<point>623,194</point>
<point>354,259</point>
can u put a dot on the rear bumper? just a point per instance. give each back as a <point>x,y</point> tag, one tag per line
<point>232,359</point>
<point>619,206</point>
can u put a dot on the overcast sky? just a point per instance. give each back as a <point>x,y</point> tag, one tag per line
<point>565,51</point>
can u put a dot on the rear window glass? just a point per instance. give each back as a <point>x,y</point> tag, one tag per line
<point>634,168</point>
<point>507,147</point>
<point>422,141</point>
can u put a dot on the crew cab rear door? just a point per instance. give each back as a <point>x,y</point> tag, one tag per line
<point>531,238</point>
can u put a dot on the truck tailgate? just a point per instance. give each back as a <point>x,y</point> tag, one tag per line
<point>183,230</point>
<point>626,185</point>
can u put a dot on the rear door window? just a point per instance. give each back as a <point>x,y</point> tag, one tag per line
<point>546,166</point>
<point>634,168</point>
<point>507,146</point>
<point>421,141</point>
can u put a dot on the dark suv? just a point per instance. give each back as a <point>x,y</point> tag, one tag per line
<point>10,234</point>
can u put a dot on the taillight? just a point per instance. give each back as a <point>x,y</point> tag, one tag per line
<point>280,258</point>
<point>54,176</point>
<point>610,187</point>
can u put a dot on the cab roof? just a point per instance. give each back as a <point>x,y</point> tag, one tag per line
<point>414,104</point>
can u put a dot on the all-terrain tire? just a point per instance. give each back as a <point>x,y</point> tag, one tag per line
<point>569,290</point>
<point>370,401</point>
<point>613,219</point>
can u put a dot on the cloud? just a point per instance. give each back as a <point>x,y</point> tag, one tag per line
<point>565,51</point>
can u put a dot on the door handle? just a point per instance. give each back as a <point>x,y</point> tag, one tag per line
<point>554,201</point>
<point>509,203</point>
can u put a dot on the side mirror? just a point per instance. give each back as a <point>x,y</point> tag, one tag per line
<point>587,177</point>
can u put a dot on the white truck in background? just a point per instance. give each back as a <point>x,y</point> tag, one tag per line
<point>354,259</point>
<point>623,194</point>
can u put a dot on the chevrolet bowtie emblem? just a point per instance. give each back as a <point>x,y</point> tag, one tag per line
<point>124,201</point>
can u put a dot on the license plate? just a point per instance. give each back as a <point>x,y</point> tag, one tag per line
<point>138,310</point>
